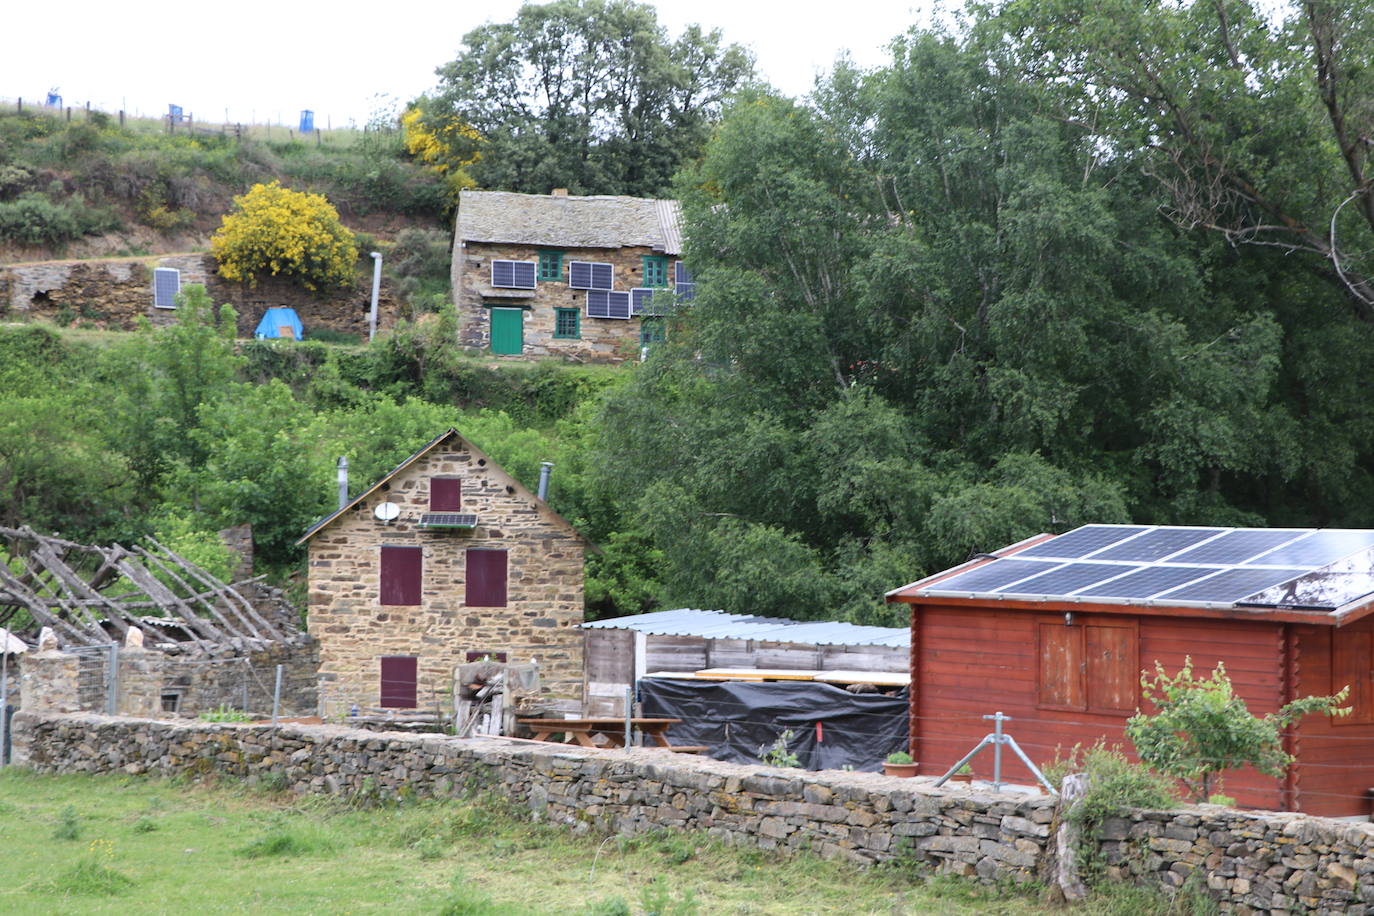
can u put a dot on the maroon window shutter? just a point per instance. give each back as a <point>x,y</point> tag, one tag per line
<point>401,575</point>
<point>486,578</point>
<point>399,677</point>
<point>445,494</point>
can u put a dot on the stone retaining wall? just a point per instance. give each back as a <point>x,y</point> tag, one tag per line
<point>1249,861</point>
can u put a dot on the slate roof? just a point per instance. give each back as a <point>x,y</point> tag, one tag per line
<point>557,221</point>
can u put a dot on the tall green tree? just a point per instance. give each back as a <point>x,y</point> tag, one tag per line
<point>592,95</point>
<point>1255,119</point>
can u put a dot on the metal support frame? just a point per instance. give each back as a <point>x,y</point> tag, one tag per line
<point>997,739</point>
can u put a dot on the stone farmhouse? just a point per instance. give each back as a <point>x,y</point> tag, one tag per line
<point>550,274</point>
<point>445,560</point>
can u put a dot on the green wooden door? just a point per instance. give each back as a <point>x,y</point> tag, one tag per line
<point>507,331</point>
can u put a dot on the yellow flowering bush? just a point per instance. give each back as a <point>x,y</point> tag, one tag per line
<point>448,151</point>
<point>278,231</point>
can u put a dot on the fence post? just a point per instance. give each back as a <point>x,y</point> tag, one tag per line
<point>112,681</point>
<point>69,114</point>
<point>276,696</point>
<point>4,698</point>
<point>247,666</point>
<point>121,117</point>
<point>21,104</point>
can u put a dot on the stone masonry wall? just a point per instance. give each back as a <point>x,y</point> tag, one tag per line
<point>544,593</point>
<point>116,293</point>
<point>602,339</point>
<point>1250,862</point>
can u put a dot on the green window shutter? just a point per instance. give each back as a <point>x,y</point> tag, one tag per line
<point>567,324</point>
<point>655,270</point>
<point>551,266</point>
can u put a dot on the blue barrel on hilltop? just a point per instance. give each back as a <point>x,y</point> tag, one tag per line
<point>307,122</point>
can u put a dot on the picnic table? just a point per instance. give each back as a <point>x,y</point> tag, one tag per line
<point>609,728</point>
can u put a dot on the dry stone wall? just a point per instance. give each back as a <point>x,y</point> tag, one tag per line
<point>1250,862</point>
<point>116,293</point>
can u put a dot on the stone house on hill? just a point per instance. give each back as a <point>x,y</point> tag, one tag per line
<point>444,560</point>
<point>547,274</point>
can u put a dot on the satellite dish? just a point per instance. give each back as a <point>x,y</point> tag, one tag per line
<point>387,512</point>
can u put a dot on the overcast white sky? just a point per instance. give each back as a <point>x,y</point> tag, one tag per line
<point>259,60</point>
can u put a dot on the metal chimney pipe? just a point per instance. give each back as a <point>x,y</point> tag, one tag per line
<point>343,481</point>
<point>545,469</point>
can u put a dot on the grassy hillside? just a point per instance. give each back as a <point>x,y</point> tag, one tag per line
<point>89,187</point>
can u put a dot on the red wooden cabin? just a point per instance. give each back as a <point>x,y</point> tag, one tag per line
<point>1056,630</point>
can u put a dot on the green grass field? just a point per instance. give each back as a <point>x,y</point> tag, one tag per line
<point>109,844</point>
<point>130,845</point>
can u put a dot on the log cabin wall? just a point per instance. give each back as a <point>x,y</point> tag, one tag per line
<point>969,662</point>
<point>1333,774</point>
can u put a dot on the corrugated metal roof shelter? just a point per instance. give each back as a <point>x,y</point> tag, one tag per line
<point>621,650</point>
<point>1056,630</point>
<point>558,220</point>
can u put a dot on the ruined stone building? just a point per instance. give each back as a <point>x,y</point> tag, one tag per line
<point>445,560</point>
<point>590,278</point>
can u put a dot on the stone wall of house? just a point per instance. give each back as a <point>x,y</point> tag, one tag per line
<point>544,592</point>
<point>1248,861</point>
<point>116,293</point>
<point>600,340</point>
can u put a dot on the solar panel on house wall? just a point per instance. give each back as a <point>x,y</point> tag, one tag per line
<point>603,303</point>
<point>641,300</point>
<point>513,274</point>
<point>166,285</point>
<point>683,285</point>
<point>590,275</point>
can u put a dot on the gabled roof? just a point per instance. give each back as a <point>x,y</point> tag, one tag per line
<point>1313,574</point>
<point>560,221</point>
<point>720,625</point>
<point>425,449</point>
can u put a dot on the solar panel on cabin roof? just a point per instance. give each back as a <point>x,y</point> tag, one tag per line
<point>1082,541</point>
<point>1231,585</point>
<point>590,275</point>
<point>1147,581</point>
<point>1236,546</point>
<point>994,574</point>
<point>1316,549</point>
<point>608,304</point>
<point>1157,544</point>
<point>1324,589</point>
<point>166,285</point>
<point>1066,579</point>
<point>513,274</point>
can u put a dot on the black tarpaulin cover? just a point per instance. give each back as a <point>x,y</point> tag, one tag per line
<point>735,718</point>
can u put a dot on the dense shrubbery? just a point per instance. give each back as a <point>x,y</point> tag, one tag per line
<point>274,230</point>
<point>33,218</point>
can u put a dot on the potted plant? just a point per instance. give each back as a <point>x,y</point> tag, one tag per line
<point>899,763</point>
<point>963,774</point>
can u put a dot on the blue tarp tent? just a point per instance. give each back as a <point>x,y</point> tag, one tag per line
<point>280,323</point>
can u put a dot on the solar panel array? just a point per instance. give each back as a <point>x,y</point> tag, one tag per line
<point>604,303</point>
<point>513,274</point>
<point>590,275</point>
<point>166,285</point>
<point>1309,569</point>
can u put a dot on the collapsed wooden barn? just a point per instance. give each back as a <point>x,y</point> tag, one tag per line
<point>738,680</point>
<point>1055,631</point>
<point>219,642</point>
